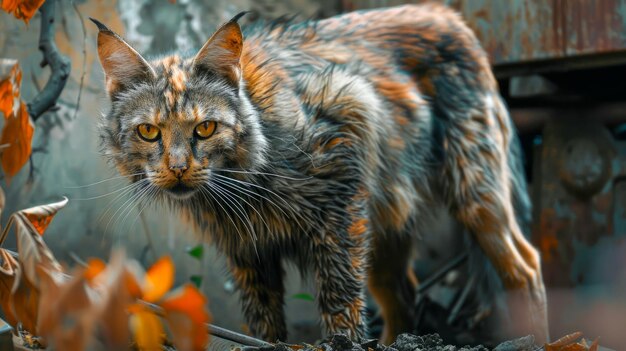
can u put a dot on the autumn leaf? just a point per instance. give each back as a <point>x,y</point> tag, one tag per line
<point>116,297</point>
<point>147,328</point>
<point>24,301</point>
<point>30,246</point>
<point>94,268</point>
<point>9,86</point>
<point>22,9</point>
<point>41,216</point>
<point>185,310</point>
<point>67,312</point>
<point>7,279</point>
<point>159,279</point>
<point>18,133</point>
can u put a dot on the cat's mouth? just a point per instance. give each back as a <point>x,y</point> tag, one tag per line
<point>181,191</point>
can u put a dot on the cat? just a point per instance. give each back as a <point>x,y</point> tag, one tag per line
<point>328,143</point>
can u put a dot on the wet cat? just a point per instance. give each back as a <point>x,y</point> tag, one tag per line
<point>328,143</point>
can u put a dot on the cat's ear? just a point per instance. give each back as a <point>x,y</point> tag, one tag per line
<point>122,64</point>
<point>221,53</point>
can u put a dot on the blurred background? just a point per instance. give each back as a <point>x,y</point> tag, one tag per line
<point>560,64</point>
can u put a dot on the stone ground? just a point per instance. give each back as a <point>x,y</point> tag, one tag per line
<point>406,342</point>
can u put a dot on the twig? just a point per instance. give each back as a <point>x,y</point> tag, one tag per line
<point>82,75</point>
<point>59,65</point>
<point>441,273</point>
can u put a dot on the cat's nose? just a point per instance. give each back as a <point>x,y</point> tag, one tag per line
<point>178,170</point>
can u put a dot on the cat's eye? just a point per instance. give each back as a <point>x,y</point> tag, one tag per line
<point>205,129</point>
<point>148,132</point>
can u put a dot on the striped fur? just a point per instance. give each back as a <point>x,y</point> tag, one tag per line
<point>336,139</point>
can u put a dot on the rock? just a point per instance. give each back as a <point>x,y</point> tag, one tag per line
<point>526,343</point>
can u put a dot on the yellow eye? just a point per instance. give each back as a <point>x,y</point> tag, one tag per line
<point>205,129</point>
<point>148,132</point>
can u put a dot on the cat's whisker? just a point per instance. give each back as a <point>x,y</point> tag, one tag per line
<point>126,191</point>
<point>119,196</point>
<point>125,205</point>
<point>226,184</point>
<point>243,171</point>
<point>148,196</point>
<point>228,202</point>
<point>136,203</point>
<point>103,181</point>
<point>207,191</point>
<point>250,191</point>
<point>242,210</point>
<point>294,213</point>
<point>103,195</point>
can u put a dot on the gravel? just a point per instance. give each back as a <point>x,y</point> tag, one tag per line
<point>404,342</point>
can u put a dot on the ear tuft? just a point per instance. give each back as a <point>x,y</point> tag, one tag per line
<point>123,66</point>
<point>221,53</point>
<point>101,27</point>
<point>238,16</point>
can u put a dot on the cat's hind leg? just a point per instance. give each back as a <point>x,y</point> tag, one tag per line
<point>480,187</point>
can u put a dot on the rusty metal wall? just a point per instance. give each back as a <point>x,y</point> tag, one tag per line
<point>514,31</point>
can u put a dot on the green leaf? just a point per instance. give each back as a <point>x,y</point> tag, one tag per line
<point>303,296</point>
<point>196,251</point>
<point>196,280</point>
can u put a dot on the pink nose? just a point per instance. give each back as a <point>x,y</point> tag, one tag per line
<point>178,170</point>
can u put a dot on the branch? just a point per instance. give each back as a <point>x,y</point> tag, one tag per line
<point>59,65</point>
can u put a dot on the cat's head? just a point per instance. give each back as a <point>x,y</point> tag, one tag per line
<point>174,120</point>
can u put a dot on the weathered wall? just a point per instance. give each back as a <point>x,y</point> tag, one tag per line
<point>67,147</point>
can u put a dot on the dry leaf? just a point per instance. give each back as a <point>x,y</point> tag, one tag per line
<point>30,246</point>
<point>94,267</point>
<point>7,279</point>
<point>22,9</point>
<point>116,299</point>
<point>147,329</point>
<point>186,315</point>
<point>24,302</point>
<point>18,133</point>
<point>10,86</point>
<point>41,216</point>
<point>67,313</point>
<point>567,343</point>
<point>159,279</point>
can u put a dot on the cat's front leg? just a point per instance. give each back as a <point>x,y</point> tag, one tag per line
<point>260,283</point>
<point>340,262</point>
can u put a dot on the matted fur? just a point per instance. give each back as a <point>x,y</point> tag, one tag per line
<point>335,139</point>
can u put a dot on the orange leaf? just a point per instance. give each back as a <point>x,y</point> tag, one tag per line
<point>7,279</point>
<point>147,330</point>
<point>22,9</point>
<point>33,251</point>
<point>186,314</point>
<point>18,133</point>
<point>24,301</point>
<point>6,97</point>
<point>95,266</point>
<point>9,86</point>
<point>159,279</point>
<point>41,216</point>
